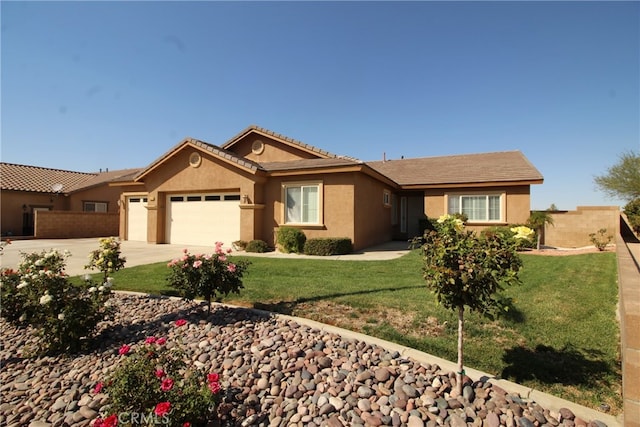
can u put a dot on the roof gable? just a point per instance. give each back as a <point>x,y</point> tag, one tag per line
<point>498,167</point>
<point>309,150</point>
<point>220,153</point>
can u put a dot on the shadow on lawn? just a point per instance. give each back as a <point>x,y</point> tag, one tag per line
<point>288,307</point>
<point>567,366</point>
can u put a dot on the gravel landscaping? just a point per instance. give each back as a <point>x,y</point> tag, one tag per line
<point>274,372</point>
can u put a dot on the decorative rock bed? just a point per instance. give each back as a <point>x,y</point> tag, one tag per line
<point>274,372</point>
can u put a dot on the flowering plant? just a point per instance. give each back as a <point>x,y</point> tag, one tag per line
<point>210,276</point>
<point>154,385</point>
<point>40,294</point>
<point>107,257</point>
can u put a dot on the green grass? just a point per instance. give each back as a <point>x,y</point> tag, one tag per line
<point>561,335</point>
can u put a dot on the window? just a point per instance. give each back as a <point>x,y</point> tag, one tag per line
<point>95,206</point>
<point>302,203</point>
<point>477,208</point>
<point>386,198</point>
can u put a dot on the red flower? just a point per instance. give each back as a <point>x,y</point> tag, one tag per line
<point>98,388</point>
<point>161,341</point>
<point>162,409</point>
<point>110,421</point>
<point>124,349</point>
<point>181,322</point>
<point>214,387</point>
<point>150,340</point>
<point>160,373</point>
<point>213,378</point>
<point>167,384</point>
<point>187,424</point>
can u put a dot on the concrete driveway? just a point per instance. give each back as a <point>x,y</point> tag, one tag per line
<point>140,253</point>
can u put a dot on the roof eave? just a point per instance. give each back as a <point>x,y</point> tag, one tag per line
<point>471,184</point>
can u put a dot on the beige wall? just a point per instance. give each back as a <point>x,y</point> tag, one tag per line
<point>274,151</point>
<point>571,229</point>
<point>65,224</point>
<point>372,219</point>
<point>103,193</point>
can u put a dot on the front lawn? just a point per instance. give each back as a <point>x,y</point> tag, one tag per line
<point>560,336</point>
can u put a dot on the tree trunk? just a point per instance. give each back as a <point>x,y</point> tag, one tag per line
<point>460,373</point>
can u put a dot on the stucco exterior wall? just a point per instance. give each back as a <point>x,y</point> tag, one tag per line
<point>273,151</point>
<point>104,193</point>
<point>65,224</point>
<point>571,229</point>
<point>372,218</point>
<point>337,199</point>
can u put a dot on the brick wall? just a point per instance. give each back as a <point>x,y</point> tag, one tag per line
<point>64,224</point>
<point>571,229</point>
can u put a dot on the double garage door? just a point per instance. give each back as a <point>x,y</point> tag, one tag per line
<point>203,219</point>
<point>192,219</point>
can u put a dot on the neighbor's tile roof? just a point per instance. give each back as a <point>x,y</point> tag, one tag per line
<point>505,166</point>
<point>39,179</point>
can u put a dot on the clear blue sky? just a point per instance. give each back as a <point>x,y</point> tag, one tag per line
<point>90,85</point>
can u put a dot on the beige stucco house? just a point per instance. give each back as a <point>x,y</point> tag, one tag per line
<point>198,193</point>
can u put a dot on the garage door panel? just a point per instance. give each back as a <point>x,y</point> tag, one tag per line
<point>137,219</point>
<point>203,219</point>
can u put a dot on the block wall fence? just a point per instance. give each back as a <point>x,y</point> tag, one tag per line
<point>571,229</point>
<point>69,225</point>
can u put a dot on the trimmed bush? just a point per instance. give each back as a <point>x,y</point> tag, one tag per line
<point>291,240</point>
<point>328,246</point>
<point>632,210</point>
<point>258,246</point>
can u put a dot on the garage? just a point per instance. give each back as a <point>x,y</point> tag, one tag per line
<point>203,219</point>
<point>137,219</point>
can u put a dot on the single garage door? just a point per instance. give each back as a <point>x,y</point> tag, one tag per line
<point>137,219</point>
<point>203,219</point>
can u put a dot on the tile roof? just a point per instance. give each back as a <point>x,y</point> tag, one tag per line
<point>307,164</point>
<point>505,166</point>
<point>41,180</point>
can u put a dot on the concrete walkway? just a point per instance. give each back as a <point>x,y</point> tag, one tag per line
<point>141,253</point>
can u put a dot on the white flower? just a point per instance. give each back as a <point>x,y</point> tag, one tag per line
<point>101,288</point>
<point>61,316</point>
<point>39,262</point>
<point>87,277</point>
<point>109,281</point>
<point>22,284</point>
<point>45,299</point>
<point>92,289</point>
<point>23,317</point>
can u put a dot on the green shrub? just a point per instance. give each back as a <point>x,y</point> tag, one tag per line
<point>328,246</point>
<point>257,246</point>
<point>291,240</point>
<point>632,211</point>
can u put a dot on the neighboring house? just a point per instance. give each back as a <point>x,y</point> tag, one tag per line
<point>57,203</point>
<point>198,193</point>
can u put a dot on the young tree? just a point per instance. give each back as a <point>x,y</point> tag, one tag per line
<point>464,269</point>
<point>623,179</point>
<point>537,220</point>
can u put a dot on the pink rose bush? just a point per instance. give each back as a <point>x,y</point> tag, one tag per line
<point>208,276</point>
<point>156,385</point>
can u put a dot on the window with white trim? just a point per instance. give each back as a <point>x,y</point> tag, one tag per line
<point>302,203</point>
<point>477,207</point>
<point>95,207</point>
<point>386,198</point>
